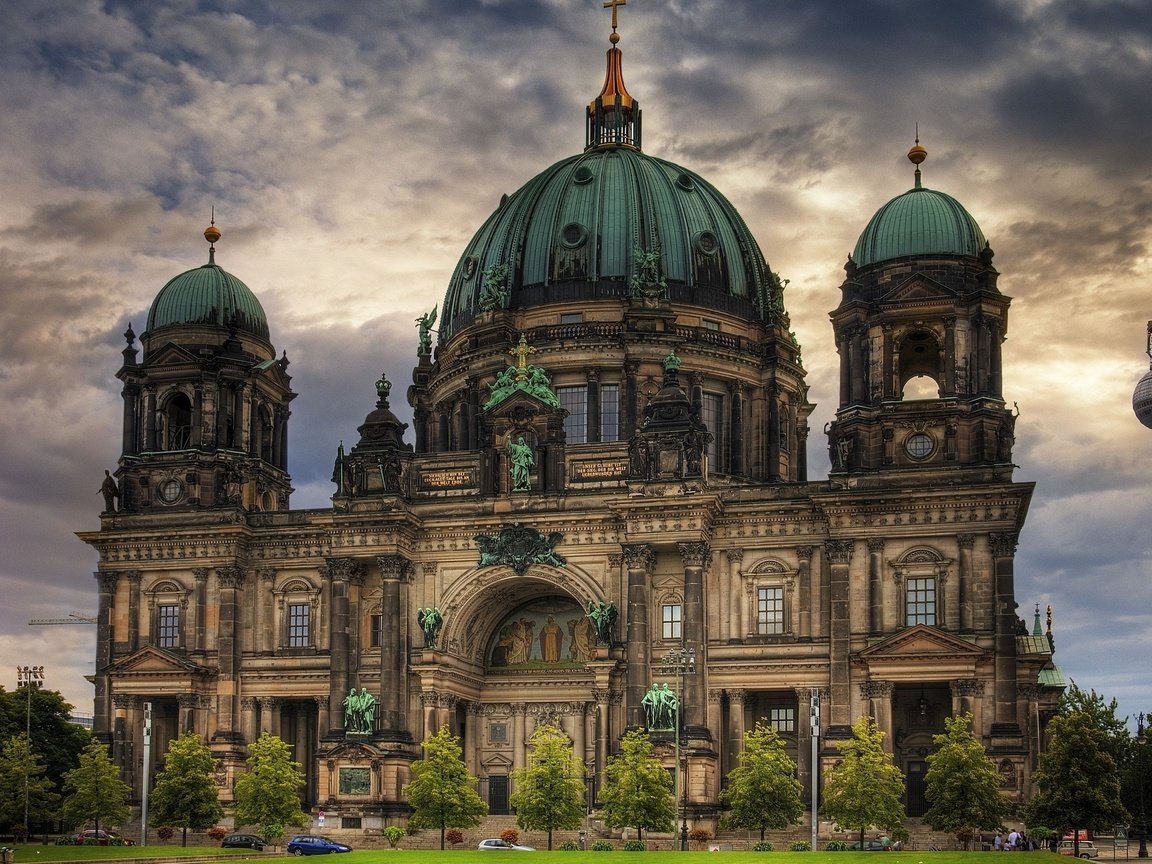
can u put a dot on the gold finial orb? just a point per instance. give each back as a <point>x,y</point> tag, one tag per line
<point>212,233</point>
<point>614,38</point>
<point>917,154</point>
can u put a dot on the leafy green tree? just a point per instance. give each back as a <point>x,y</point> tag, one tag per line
<point>94,791</point>
<point>58,740</point>
<point>185,794</point>
<point>550,792</point>
<point>637,791</point>
<point>963,784</point>
<point>1077,778</point>
<point>19,763</point>
<point>865,788</point>
<point>1136,781</point>
<point>442,793</point>
<point>1114,730</point>
<point>763,791</point>
<point>268,793</point>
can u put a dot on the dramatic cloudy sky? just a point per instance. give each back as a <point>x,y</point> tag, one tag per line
<point>351,148</point>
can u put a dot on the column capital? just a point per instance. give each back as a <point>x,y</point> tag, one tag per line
<point>967,687</point>
<point>248,703</point>
<point>695,554</point>
<point>344,570</point>
<point>804,553</point>
<point>738,695</point>
<point>615,560</point>
<point>735,556</point>
<point>107,580</point>
<point>839,551</point>
<point>393,567</point>
<point>638,557</point>
<point>187,700</point>
<point>876,689</point>
<point>1003,544</point>
<point>876,544</point>
<point>230,577</point>
<point>965,541</point>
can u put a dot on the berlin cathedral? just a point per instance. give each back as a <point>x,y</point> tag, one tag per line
<point>604,490</point>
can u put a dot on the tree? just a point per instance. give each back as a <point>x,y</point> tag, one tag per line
<point>865,787</point>
<point>20,763</point>
<point>58,740</point>
<point>550,792</point>
<point>637,791</point>
<point>268,793</point>
<point>185,794</point>
<point>763,791</point>
<point>442,793</point>
<point>963,784</point>
<point>94,791</point>
<point>1077,779</point>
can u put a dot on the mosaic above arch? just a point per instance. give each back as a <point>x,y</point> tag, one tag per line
<point>546,633</point>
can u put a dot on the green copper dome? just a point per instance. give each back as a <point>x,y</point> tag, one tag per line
<point>588,226</point>
<point>208,295</point>
<point>919,222</point>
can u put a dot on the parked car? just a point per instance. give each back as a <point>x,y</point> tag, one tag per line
<point>99,837</point>
<point>497,843</point>
<point>243,841</point>
<point>870,845</point>
<point>1087,848</point>
<point>312,844</point>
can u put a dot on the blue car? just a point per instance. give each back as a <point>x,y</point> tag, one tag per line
<point>311,844</point>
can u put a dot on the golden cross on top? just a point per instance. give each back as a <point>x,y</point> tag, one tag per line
<point>612,4</point>
<point>521,352</point>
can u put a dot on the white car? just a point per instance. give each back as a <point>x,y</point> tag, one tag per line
<point>497,843</point>
<point>1087,848</point>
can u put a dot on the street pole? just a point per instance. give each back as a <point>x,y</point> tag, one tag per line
<point>29,677</point>
<point>814,712</point>
<point>1142,741</point>
<point>147,773</point>
<point>680,662</point>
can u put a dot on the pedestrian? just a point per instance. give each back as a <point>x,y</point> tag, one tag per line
<point>997,843</point>
<point>1013,840</point>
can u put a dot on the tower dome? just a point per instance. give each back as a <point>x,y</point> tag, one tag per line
<point>921,221</point>
<point>1142,395</point>
<point>208,295</point>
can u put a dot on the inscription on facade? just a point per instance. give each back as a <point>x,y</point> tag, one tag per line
<point>599,469</point>
<point>448,479</point>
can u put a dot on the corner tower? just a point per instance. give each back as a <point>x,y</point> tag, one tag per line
<point>919,329</point>
<point>206,407</point>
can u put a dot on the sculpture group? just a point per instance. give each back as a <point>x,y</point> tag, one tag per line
<point>661,708</point>
<point>359,712</point>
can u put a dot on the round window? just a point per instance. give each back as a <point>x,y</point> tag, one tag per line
<point>582,175</point>
<point>707,243</point>
<point>919,445</point>
<point>170,490</point>
<point>573,235</point>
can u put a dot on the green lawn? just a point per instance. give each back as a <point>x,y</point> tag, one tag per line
<point>26,854</point>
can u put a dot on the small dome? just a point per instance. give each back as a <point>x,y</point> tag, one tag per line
<point>920,222</point>
<point>1142,400</point>
<point>208,295</point>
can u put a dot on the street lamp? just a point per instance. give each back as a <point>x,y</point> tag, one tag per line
<point>680,662</point>
<point>30,677</point>
<point>1142,739</point>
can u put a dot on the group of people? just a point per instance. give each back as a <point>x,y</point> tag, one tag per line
<point>1014,842</point>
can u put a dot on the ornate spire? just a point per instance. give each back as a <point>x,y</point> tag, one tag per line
<point>613,117</point>
<point>212,234</point>
<point>916,155</point>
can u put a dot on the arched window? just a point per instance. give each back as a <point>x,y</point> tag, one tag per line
<point>178,423</point>
<point>919,365</point>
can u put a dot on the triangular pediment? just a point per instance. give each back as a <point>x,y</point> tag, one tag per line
<point>918,288</point>
<point>522,404</point>
<point>171,353</point>
<point>353,750</point>
<point>152,661</point>
<point>920,643</point>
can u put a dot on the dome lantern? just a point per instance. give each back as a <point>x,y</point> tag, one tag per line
<point>613,116</point>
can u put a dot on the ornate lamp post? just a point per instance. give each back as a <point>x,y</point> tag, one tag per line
<point>29,677</point>
<point>1142,740</point>
<point>680,662</point>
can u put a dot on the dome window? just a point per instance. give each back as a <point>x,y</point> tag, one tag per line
<point>707,243</point>
<point>170,491</point>
<point>573,235</point>
<point>685,182</point>
<point>582,175</point>
<point>470,266</point>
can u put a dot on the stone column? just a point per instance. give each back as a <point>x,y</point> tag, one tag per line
<point>338,571</point>
<point>695,556</point>
<point>734,585</point>
<point>229,581</point>
<point>323,718</point>
<point>200,608</point>
<point>839,554</point>
<point>804,590</point>
<point>579,732</point>
<point>716,724</point>
<point>950,588</point>
<point>123,746</point>
<point>519,749</point>
<point>248,718</point>
<point>446,712</point>
<point>877,695</point>
<point>876,585</point>
<point>966,578</point>
<point>736,699</point>
<point>428,701</point>
<point>102,722</point>
<point>804,741</point>
<point>602,733</point>
<point>736,460</point>
<point>270,715</point>
<point>844,346</point>
<point>949,384</point>
<point>1003,553</point>
<point>393,654</point>
<point>594,423</point>
<point>474,738</point>
<point>638,560</point>
<point>135,577</point>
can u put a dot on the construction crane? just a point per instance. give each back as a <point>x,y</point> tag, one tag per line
<point>73,618</point>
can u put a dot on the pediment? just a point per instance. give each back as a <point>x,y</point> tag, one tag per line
<point>171,353</point>
<point>352,751</point>
<point>497,760</point>
<point>918,288</point>
<point>921,643</point>
<point>522,404</point>
<point>154,661</point>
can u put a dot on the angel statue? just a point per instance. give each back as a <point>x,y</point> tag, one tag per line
<point>430,621</point>
<point>424,325</point>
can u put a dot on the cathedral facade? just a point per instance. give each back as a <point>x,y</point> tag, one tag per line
<point>605,489</point>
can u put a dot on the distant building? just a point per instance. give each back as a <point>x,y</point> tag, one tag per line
<point>611,416</point>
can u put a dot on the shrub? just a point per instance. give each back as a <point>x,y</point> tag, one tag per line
<point>272,832</point>
<point>165,832</point>
<point>700,835</point>
<point>454,836</point>
<point>635,846</point>
<point>603,846</point>
<point>800,846</point>
<point>394,834</point>
<point>510,835</point>
<point>570,846</point>
<point>217,833</point>
<point>835,846</point>
<point>763,846</point>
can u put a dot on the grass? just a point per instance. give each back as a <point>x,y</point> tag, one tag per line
<point>28,853</point>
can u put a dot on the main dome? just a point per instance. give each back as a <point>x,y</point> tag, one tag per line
<point>577,229</point>
<point>920,222</point>
<point>208,295</point>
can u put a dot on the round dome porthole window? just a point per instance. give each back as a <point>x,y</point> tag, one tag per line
<point>573,235</point>
<point>707,243</point>
<point>919,445</point>
<point>470,265</point>
<point>582,175</point>
<point>685,182</point>
<point>170,490</point>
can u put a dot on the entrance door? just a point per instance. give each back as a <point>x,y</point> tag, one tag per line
<point>498,795</point>
<point>915,785</point>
